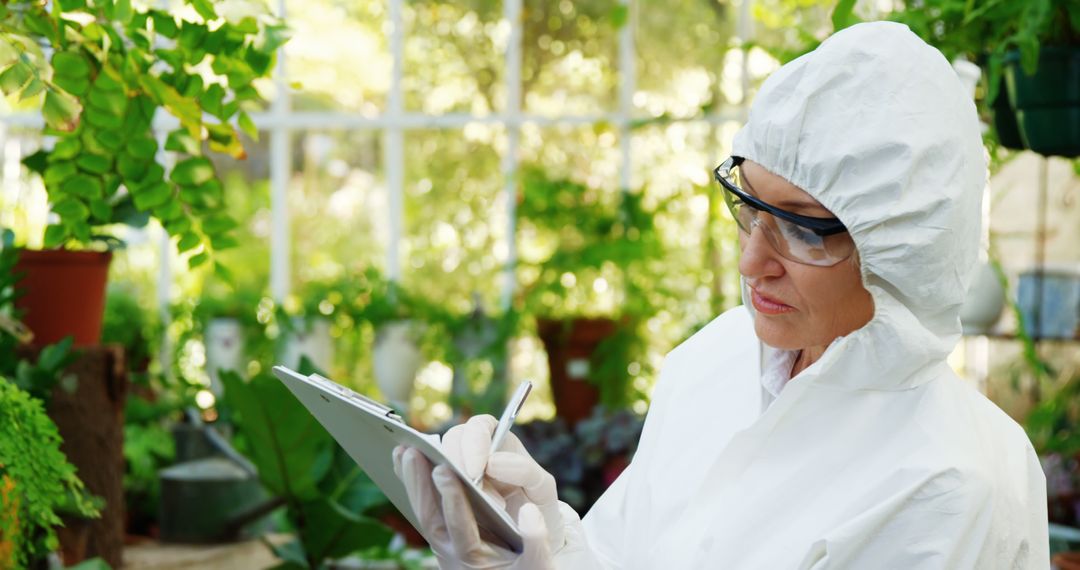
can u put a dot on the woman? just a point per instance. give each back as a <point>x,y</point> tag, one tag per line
<point>818,426</point>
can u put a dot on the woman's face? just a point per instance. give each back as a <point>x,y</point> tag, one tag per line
<point>798,306</point>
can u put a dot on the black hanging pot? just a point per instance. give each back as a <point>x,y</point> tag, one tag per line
<point>1047,103</point>
<point>1008,132</point>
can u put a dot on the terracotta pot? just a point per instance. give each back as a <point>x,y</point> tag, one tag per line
<point>570,346</point>
<point>1067,560</point>
<point>63,294</point>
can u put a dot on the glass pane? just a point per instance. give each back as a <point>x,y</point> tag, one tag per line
<point>452,64</point>
<point>681,57</point>
<point>570,59</point>
<point>338,204</point>
<point>338,55</point>
<point>455,216</point>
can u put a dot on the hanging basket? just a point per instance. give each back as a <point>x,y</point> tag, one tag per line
<point>1047,104</point>
<point>63,294</point>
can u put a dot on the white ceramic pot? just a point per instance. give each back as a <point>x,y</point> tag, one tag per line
<point>224,339</point>
<point>984,301</point>
<point>396,359</point>
<point>311,339</point>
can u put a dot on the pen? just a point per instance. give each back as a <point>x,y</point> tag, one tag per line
<point>507,420</point>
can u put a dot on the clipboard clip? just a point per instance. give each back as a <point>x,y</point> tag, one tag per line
<point>383,409</point>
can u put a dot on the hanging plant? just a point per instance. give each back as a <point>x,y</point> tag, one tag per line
<point>101,72</point>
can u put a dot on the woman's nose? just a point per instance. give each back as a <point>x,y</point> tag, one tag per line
<point>759,257</point>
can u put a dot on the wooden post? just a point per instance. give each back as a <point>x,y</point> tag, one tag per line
<point>90,419</point>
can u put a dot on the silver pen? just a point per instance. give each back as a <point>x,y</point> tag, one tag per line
<point>507,420</point>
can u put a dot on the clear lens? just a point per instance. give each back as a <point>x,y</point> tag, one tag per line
<point>790,240</point>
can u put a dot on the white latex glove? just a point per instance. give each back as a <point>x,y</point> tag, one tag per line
<point>448,524</point>
<point>551,530</point>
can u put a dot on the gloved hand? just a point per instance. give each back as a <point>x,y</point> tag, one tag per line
<point>551,530</point>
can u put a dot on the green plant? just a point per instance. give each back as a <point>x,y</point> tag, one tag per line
<point>987,31</point>
<point>112,67</point>
<point>593,254</point>
<point>38,481</point>
<point>329,502</point>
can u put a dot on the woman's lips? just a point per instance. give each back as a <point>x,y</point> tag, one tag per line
<point>768,306</point>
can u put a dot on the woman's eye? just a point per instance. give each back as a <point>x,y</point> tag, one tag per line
<point>804,235</point>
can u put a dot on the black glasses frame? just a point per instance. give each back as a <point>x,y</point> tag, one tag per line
<point>820,226</point>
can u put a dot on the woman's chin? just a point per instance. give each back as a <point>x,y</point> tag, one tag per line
<point>774,334</point>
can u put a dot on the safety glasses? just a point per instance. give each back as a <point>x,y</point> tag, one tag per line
<point>802,239</point>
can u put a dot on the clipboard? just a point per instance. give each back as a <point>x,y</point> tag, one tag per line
<point>368,431</point>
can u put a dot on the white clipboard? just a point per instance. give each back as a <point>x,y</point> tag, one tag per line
<point>369,431</point>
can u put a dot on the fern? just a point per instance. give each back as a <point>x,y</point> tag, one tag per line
<point>35,478</point>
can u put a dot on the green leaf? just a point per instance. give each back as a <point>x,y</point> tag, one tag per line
<point>183,108</point>
<point>112,102</point>
<point>211,99</point>
<point>109,80</point>
<point>258,60</point>
<point>111,139</point>
<point>71,209</point>
<point>221,242</point>
<point>94,163</point>
<point>329,531</point>
<point>122,11</point>
<point>58,171</point>
<point>61,111</point>
<point>66,148</point>
<point>91,564</point>
<point>143,148</point>
<point>181,141</point>
<point>178,225</point>
<point>66,63</point>
<point>171,210</point>
<point>15,78</point>
<point>74,85</point>
<point>223,139</point>
<point>843,15</point>
<point>55,236</point>
<point>154,173</point>
<point>164,24</point>
<point>217,224</point>
<point>33,88</point>
<point>84,186</point>
<point>290,448</point>
<point>212,191</point>
<point>192,36</point>
<point>187,242</point>
<point>152,196</point>
<point>248,126</point>
<point>8,54</point>
<point>205,9</point>
<point>192,171</point>
<point>38,161</point>
<point>131,168</point>
<point>223,272</point>
<point>72,5</point>
<point>101,210</point>
<point>103,120</point>
<point>198,259</point>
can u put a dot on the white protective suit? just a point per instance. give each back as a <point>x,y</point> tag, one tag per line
<point>876,456</point>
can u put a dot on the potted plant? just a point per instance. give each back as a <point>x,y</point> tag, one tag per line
<point>1031,54</point>
<point>102,71</point>
<point>587,283</point>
